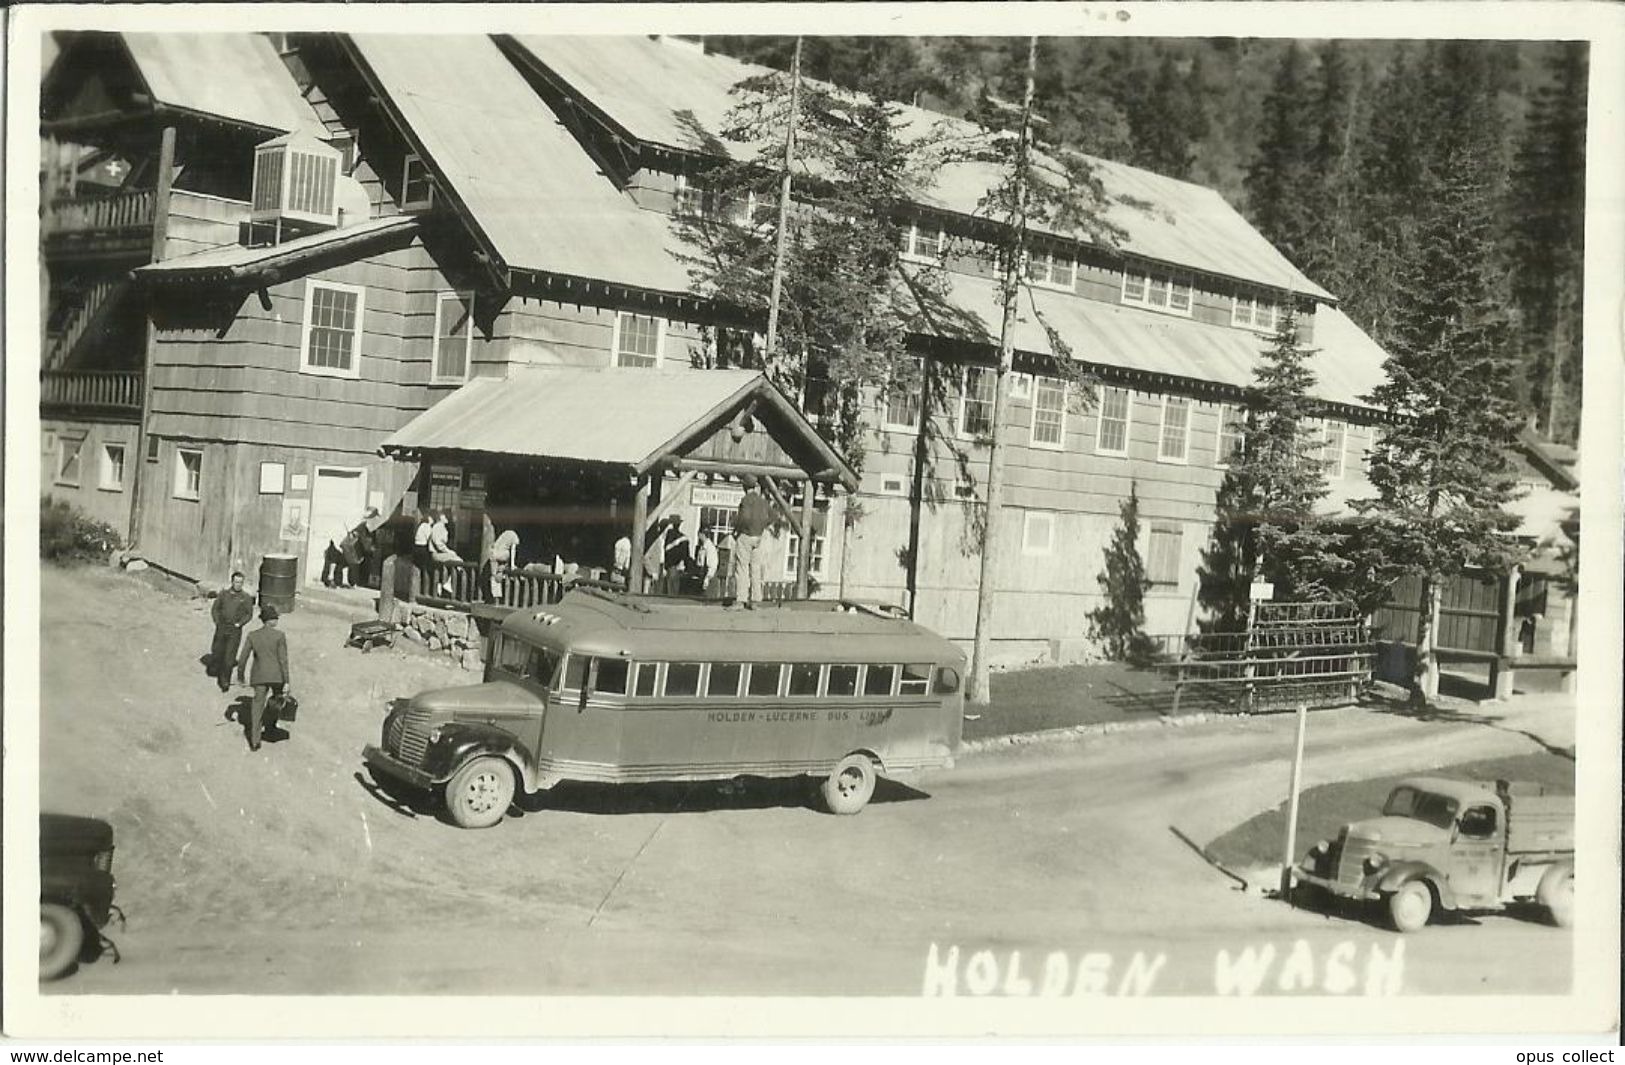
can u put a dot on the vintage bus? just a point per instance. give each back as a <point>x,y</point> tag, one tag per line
<point>610,687</point>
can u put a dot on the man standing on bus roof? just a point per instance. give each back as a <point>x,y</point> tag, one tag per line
<point>749,565</point>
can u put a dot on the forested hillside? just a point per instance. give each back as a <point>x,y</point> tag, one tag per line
<point>1331,148</point>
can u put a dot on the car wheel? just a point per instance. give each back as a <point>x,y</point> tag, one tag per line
<point>848,788</point>
<point>61,936</point>
<point>1556,894</point>
<point>479,793</point>
<point>1410,907</point>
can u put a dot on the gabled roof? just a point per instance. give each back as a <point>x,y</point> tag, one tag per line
<point>234,76</point>
<point>272,261</point>
<point>1347,366</point>
<point>536,197</point>
<point>652,90</point>
<point>617,415</point>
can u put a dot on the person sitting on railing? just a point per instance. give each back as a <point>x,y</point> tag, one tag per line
<point>500,561</point>
<point>421,557</point>
<point>620,572</point>
<point>441,553</point>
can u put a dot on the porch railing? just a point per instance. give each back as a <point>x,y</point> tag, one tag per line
<point>91,389</point>
<point>94,214</point>
<point>457,584</point>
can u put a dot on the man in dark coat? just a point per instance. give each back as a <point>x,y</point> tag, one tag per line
<point>269,649</point>
<point>676,555</point>
<point>231,611</point>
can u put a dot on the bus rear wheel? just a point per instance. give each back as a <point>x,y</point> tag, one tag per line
<point>478,794</point>
<point>849,787</point>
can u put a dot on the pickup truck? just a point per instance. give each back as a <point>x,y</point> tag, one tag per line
<point>76,889</point>
<point>1453,845</point>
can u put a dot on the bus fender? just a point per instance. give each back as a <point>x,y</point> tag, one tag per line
<point>461,740</point>
<point>1399,874</point>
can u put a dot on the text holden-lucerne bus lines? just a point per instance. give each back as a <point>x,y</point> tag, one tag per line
<point>605,686</point>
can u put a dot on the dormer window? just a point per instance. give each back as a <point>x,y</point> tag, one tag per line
<point>417,184</point>
<point>687,199</point>
<point>1263,316</point>
<point>1158,291</point>
<point>925,243</point>
<point>1051,271</point>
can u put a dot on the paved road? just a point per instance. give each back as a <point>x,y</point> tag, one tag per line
<point>1023,871</point>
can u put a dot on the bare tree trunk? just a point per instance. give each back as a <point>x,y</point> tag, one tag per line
<point>1425,683</point>
<point>784,204</point>
<point>977,691</point>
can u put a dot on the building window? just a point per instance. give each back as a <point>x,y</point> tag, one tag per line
<point>1158,291</point>
<point>926,244</point>
<point>1038,532</point>
<point>453,336</point>
<point>1162,553</point>
<point>332,337</point>
<point>1261,315</point>
<point>152,448</point>
<point>1049,413</point>
<point>67,459</point>
<point>976,402</point>
<point>1232,429</point>
<point>1114,421</point>
<point>686,199</point>
<point>112,478</point>
<point>902,401</point>
<point>1333,444</point>
<point>417,186</point>
<point>188,472</point>
<point>637,339</point>
<point>893,484</point>
<point>792,558</point>
<point>1173,444</point>
<point>1051,271</point>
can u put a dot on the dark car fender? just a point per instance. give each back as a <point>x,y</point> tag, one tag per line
<point>1399,874</point>
<point>461,740</point>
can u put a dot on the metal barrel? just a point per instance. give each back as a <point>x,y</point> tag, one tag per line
<point>279,581</point>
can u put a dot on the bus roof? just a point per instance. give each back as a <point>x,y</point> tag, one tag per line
<point>654,628</point>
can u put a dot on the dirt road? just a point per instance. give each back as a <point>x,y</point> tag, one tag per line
<point>281,872</point>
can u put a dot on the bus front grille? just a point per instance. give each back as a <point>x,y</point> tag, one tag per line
<point>414,736</point>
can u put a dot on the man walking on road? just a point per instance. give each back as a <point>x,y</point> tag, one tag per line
<point>749,567</point>
<point>269,648</point>
<point>231,611</point>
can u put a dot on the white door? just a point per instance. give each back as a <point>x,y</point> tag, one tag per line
<point>337,498</point>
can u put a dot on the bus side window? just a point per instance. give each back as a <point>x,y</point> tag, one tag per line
<point>512,656</point>
<point>612,676</point>
<point>724,679</point>
<point>916,680</point>
<point>575,672</point>
<point>843,680</point>
<point>947,680</point>
<point>879,680</point>
<point>648,674</point>
<point>764,678</point>
<point>683,678</point>
<point>544,667</point>
<point>804,678</point>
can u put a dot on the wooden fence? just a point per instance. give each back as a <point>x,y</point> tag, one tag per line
<point>94,214</point>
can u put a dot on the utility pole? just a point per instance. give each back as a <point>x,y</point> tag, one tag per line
<point>784,203</point>
<point>139,489</point>
<point>977,691</point>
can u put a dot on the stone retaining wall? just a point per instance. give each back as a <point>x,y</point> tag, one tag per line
<point>451,632</point>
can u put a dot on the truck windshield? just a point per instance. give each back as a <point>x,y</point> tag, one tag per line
<point>1436,810</point>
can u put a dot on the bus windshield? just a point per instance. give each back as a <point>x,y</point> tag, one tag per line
<point>519,659</point>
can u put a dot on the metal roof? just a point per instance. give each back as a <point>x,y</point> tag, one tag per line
<point>234,76</point>
<point>234,261</point>
<point>533,192</point>
<point>626,416</point>
<point>1347,366</point>
<point>653,90</point>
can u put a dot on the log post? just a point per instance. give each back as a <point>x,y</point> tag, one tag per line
<point>640,514</point>
<point>804,548</point>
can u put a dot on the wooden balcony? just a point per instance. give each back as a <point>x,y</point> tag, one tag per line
<point>100,224</point>
<point>100,393</point>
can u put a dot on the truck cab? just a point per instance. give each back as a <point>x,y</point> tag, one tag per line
<point>1444,844</point>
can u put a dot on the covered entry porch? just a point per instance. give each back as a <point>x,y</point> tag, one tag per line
<point>572,460</point>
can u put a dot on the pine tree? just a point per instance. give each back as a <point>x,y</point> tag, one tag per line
<point>1118,624</point>
<point>1443,472</point>
<point>1281,183</point>
<point>1330,256</point>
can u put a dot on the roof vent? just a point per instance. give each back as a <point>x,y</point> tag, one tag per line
<point>295,180</point>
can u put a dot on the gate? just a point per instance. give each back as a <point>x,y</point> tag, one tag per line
<point>1315,654</point>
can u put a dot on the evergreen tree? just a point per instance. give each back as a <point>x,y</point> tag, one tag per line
<point>1443,472</point>
<point>1168,127</point>
<point>1118,624</point>
<point>1281,181</point>
<point>1329,258</point>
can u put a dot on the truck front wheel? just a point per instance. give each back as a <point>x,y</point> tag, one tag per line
<point>1556,894</point>
<point>1410,907</point>
<point>61,936</point>
<point>478,794</point>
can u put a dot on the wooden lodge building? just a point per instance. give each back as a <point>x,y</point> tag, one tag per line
<point>292,275</point>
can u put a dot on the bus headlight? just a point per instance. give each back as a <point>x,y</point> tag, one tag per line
<point>1374,863</point>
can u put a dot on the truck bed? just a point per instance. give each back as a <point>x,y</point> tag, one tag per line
<point>1540,823</point>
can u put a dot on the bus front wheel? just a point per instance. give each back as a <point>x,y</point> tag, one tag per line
<point>478,794</point>
<point>849,788</point>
